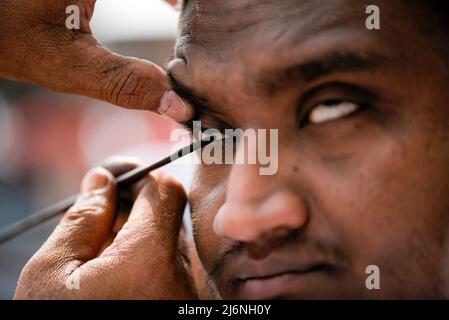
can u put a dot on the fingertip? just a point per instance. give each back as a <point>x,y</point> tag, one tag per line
<point>171,184</point>
<point>172,106</point>
<point>118,164</point>
<point>97,179</point>
<point>121,159</point>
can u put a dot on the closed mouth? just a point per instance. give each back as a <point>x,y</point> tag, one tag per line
<point>283,284</point>
<point>314,268</point>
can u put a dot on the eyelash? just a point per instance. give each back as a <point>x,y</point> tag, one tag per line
<point>221,126</point>
<point>305,122</point>
<point>340,94</point>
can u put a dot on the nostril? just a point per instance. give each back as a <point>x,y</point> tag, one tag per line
<point>276,233</point>
<point>269,241</point>
<point>273,218</point>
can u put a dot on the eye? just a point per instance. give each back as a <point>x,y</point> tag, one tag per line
<point>332,110</point>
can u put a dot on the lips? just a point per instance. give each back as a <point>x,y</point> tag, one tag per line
<point>299,271</point>
<point>279,276</point>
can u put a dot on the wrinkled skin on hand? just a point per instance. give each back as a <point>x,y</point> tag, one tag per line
<point>92,255</point>
<point>37,47</point>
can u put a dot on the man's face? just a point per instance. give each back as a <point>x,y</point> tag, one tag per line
<point>363,148</point>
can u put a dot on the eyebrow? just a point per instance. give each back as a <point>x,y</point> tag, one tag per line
<point>202,106</point>
<point>317,68</point>
<point>273,81</point>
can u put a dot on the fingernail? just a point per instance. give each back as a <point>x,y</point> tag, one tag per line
<point>95,180</point>
<point>173,107</point>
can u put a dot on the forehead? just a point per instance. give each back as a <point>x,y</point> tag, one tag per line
<point>235,43</point>
<point>217,25</point>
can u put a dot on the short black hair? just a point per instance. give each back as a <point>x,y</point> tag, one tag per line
<point>435,22</point>
<point>439,26</point>
<point>441,5</point>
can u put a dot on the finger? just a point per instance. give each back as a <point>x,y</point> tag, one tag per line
<point>127,82</point>
<point>155,218</point>
<point>119,165</point>
<point>73,61</point>
<point>85,227</point>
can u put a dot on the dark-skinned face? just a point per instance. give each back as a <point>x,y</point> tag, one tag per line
<point>363,119</point>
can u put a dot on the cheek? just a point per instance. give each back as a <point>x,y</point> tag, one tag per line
<point>207,194</point>
<point>387,203</point>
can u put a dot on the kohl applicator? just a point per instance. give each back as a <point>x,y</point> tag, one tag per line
<point>126,179</point>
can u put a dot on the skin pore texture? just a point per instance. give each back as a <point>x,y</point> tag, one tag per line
<point>367,188</point>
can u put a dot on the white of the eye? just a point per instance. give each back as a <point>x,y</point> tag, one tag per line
<point>324,113</point>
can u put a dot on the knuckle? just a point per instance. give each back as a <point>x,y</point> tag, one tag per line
<point>36,264</point>
<point>173,186</point>
<point>39,265</point>
<point>83,215</point>
<point>40,278</point>
<point>132,85</point>
<point>89,204</point>
<point>79,216</point>
<point>124,87</point>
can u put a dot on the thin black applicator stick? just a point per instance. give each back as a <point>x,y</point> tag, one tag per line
<point>125,179</point>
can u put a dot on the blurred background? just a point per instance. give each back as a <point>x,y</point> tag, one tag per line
<point>49,140</point>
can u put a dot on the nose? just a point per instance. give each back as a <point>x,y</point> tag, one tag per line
<point>251,221</point>
<point>259,206</point>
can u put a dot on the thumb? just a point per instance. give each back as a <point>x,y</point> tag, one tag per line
<point>85,227</point>
<point>43,50</point>
<point>155,220</point>
<point>124,81</point>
